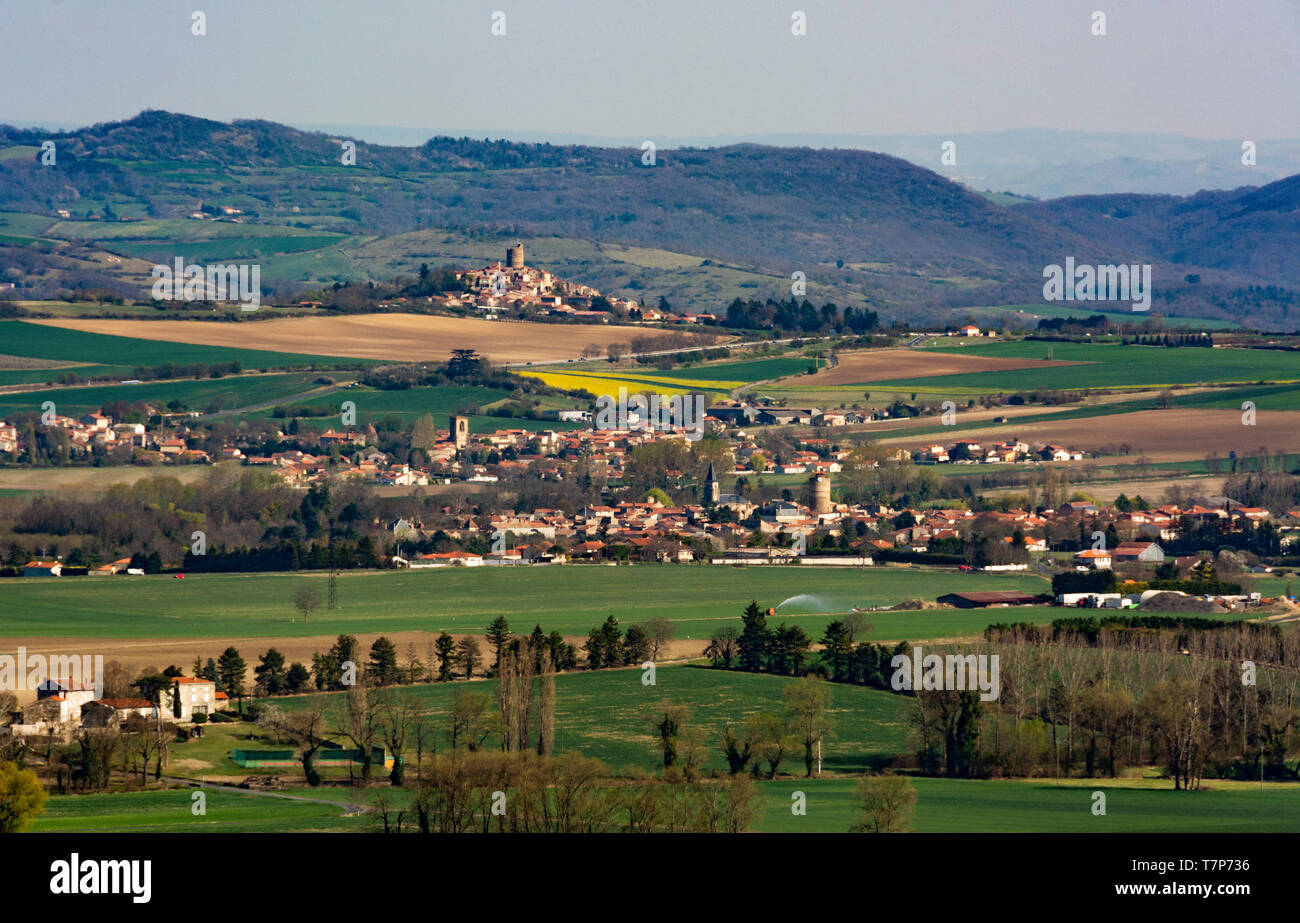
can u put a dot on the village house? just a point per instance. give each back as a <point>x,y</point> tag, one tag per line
<point>196,696</point>
<point>1139,553</point>
<point>1095,558</point>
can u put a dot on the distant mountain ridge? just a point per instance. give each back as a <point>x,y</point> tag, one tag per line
<point>1045,163</point>
<point>860,225</point>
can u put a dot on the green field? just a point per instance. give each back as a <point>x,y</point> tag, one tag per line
<point>1266,397</point>
<point>943,806</point>
<point>747,370</point>
<point>571,599</point>
<point>409,404</point>
<point>226,248</point>
<point>170,811</point>
<point>1182,324</point>
<point>1049,806</point>
<point>1108,366</point>
<point>606,714</point>
<point>39,341</point>
<point>196,394</point>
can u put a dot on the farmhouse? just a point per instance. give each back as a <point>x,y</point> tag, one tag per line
<point>1094,557</point>
<point>56,710</point>
<point>42,569</point>
<point>196,696</point>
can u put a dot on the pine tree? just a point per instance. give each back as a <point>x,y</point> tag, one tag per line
<point>230,670</point>
<point>468,655</point>
<point>270,672</point>
<point>837,649</point>
<point>498,634</point>
<point>611,639</point>
<point>445,648</point>
<point>636,646</point>
<point>755,639</point>
<point>383,662</point>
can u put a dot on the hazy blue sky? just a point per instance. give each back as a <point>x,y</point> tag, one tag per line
<point>1207,68</point>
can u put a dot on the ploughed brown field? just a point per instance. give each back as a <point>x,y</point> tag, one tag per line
<point>890,364</point>
<point>399,337</point>
<point>1176,434</point>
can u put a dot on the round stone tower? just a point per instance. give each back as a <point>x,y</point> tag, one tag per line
<point>515,256</point>
<point>820,487</point>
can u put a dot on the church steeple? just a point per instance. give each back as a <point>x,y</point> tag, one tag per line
<point>711,491</point>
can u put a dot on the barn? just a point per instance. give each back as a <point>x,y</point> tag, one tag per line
<point>991,598</point>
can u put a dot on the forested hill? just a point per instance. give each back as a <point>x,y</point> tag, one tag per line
<point>904,239</point>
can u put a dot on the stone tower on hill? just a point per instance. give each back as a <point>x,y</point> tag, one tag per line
<point>515,256</point>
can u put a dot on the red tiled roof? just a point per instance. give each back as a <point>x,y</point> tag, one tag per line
<point>126,703</point>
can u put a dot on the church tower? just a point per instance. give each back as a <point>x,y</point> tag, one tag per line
<point>711,492</point>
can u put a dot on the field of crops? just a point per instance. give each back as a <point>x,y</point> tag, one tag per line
<point>1051,806</point>
<point>571,599</point>
<point>408,404</point>
<point>717,379</point>
<point>195,394</point>
<point>1109,366</point>
<point>44,341</point>
<point>746,370</point>
<point>943,806</point>
<point>171,812</point>
<point>608,383</point>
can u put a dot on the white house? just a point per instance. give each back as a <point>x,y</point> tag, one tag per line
<point>1093,557</point>
<point>197,696</point>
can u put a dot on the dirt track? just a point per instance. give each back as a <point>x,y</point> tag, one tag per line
<point>399,337</point>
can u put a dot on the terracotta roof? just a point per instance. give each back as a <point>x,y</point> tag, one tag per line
<point>126,703</point>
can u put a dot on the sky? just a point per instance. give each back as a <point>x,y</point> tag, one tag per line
<point>1202,68</point>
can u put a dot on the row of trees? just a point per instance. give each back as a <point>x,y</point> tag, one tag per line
<point>784,650</point>
<point>487,792</point>
<point>793,316</point>
<point>1196,700</point>
<point>608,646</point>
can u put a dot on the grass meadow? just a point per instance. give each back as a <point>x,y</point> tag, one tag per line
<point>571,599</point>
<point>170,811</point>
<point>607,714</point>
<point>943,806</point>
<point>1049,806</point>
